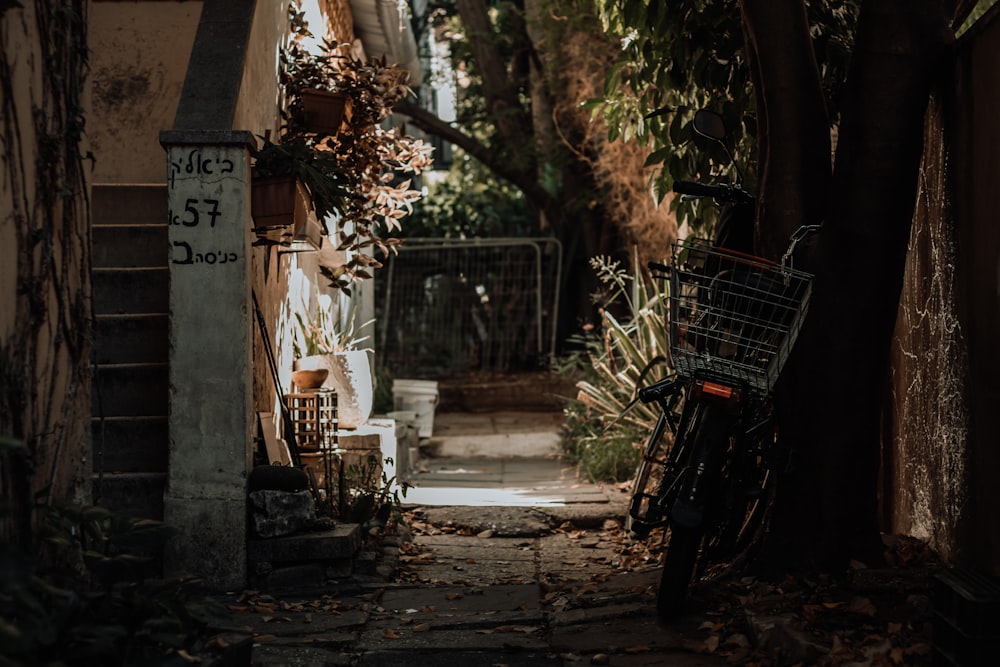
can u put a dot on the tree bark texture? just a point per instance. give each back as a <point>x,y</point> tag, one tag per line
<point>831,401</point>
<point>793,131</point>
<point>502,101</point>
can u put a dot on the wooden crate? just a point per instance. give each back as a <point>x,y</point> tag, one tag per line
<point>314,418</point>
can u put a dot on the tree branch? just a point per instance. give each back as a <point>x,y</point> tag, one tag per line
<point>523,180</point>
<point>502,100</point>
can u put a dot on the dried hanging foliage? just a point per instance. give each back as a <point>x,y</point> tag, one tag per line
<point>619,167</point>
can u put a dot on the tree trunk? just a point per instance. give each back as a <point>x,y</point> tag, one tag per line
<point>793,130</point>
<point>502,102</point>
<point>830,405</point>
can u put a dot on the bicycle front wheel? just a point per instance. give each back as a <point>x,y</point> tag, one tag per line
<point>683,548</point>
<point>692,513</point>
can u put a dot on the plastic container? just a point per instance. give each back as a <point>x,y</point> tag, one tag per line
<point>419,396</point>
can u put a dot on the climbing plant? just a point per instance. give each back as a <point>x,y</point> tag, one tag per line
<point>46,322</point>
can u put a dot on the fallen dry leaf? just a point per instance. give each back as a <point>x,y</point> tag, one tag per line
<point>187,656</point>
<point>526,629</point>
<point>218,642</point>
<point>390,634</point>
<point>862,605</point>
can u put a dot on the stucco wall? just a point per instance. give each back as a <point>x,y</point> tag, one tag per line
<point>140,53</point>
<point>284,282</point>
<point>257,109</point>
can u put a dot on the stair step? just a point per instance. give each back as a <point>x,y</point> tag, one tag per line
<point>130,390</point>
<point>129,204</point>
<point>342,541</point>
<point>130,245</point>
<point>126,339</point>
<point>133,290</point>
<point>129,444</point>
<point>296,563</point>
<point>131,494</point>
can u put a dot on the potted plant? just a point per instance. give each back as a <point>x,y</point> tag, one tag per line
<point>319,345</point>
<point>377,161</point>
<point>314,103</point>
<point>296,158</point>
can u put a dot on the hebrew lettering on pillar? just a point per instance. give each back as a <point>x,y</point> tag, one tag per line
<point>206,185</point>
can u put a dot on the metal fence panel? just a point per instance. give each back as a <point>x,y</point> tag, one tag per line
<point>448,307</point>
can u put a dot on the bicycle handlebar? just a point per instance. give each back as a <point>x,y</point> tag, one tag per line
<point>699,189</point>
<point>721,192</point>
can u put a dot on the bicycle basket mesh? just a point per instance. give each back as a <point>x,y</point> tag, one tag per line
<point>733,316</point>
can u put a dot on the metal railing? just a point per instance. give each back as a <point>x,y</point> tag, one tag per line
<point>464,306</point>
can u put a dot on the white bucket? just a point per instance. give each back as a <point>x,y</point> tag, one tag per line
<point>419,396</point>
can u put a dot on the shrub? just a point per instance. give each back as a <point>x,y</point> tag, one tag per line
<point>606,426</point>
<point>91,596</point>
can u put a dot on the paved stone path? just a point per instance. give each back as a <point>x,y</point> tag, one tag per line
<point>518,593</point>
<point>514,562</point>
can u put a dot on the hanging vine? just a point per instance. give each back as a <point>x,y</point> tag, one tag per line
<point>47,322</point>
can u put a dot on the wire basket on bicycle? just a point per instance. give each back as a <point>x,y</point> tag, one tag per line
<point>733,316</point>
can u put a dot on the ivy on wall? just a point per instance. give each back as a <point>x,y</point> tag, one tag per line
<point>47,326</point>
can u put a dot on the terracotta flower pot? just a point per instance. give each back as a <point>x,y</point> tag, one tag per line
<point>280,207</point>
<point>325,112</point>
<point>310,379</point>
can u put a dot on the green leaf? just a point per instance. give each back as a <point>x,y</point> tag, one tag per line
<point>657,157</point>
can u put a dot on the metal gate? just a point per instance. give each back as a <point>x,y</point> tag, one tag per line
<point>448,307</point>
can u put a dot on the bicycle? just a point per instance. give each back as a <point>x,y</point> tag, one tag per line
<point>708,468</point>
<point>707,473</point>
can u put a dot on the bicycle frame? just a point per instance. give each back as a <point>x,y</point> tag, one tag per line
<point>705,473</point>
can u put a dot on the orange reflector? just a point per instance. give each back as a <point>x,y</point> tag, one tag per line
<point>720,390</point>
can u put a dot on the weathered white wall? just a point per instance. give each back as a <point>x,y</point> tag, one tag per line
<point>257,109</point>
<point>140,53</point>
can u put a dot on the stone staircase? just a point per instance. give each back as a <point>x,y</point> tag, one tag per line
<point>131,252</point>
<point>131,300</point>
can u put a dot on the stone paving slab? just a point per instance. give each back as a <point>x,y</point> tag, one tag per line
<point>449,423</point>
<point>267,655</point>
<point>501,638</point>
<point>302,624</point>
<point>461,599</point>
<point>493,435</point>
<point>460,658</point>
<point>612,635</point>
<point>483,574</point>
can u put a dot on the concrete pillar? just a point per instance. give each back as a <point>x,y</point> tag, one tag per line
<point>211,335</point>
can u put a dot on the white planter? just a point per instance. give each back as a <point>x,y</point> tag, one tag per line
<point>351,377</point>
